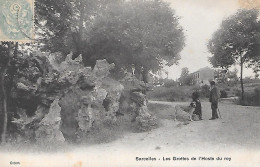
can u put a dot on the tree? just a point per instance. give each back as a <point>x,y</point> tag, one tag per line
<point>255,65</point>
<point>236,42</point>
<point>226,76</point>
<point>232,77</point>
<point>52,24</point>
<point>144,34</point>
<point>169,82</point>
<point>126,33</point>
<point>15,65</point>
<point>221,75</point>
<point>256,69</point>
<point>62,25</point>
<point>185,78</point>
<point>8,51</point>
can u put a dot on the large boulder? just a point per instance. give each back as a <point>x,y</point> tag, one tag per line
<point>70,104</point>
<point>69,69</point>
<point>86,117</point>
<point>132,84</point>
<point>102,68</point>
<point>139,98</point>
<point>144,118</point>
<point>135,102</point>
<point>112,101</point>
<point>49,127</point>
<point>91,109</point>
<point>82,104</point>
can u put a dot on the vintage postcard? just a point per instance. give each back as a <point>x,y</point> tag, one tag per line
<point>127,83</point>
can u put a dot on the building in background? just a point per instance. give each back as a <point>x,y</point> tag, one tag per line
<point>203,76</point>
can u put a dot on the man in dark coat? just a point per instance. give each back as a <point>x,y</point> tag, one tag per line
<point>213,98</point>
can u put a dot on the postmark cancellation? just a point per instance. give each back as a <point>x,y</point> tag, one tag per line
<point>17,20</point>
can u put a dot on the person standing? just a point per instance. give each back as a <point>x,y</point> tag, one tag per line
<point>213,98</point>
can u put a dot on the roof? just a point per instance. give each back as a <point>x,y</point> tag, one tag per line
<point>203,69</point>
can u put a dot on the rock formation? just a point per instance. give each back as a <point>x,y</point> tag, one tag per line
<point>134,100</point>
<point>65,101</point>
<point>68,100</point>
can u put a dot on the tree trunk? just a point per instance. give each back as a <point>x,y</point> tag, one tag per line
<point>241,82</point>
<point>3,137</point>
<point>5,105</point>
<point>145,75</point>
<point>77,37</point>
<point>80,33</point>
<point>81,19</point>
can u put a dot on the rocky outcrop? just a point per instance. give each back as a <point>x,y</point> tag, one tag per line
<point>49,127</point>
<point>135,101</point>
<point>144,118</point>
<point>66,101</point>
<point>112,101</point>
<point>74,99</point>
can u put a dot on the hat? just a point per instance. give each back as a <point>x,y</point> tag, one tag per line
<point>212,83</point>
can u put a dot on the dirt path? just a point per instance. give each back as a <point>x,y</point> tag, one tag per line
<point>236,135</point>
<point>239,129</point>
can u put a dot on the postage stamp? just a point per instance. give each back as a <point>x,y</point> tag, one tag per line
<point>17,20</point>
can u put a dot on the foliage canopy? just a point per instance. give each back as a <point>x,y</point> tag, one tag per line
<point>127,33</point>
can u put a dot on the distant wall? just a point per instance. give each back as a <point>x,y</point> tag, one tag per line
<point>203,76</point>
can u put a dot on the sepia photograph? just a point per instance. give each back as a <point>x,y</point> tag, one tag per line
<point>129,83</point>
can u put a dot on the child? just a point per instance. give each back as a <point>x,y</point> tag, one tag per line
<point>196,104</point>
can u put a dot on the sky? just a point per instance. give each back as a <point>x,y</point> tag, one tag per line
<point>200,19</point>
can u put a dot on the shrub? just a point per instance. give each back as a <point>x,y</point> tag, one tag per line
<point>237,92</point>
<point>227,89</point>
<point>223,94</point>
<point>204,91</point>
<point>169,83</point>
<point>170,94</point>
<point>251,98</point>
